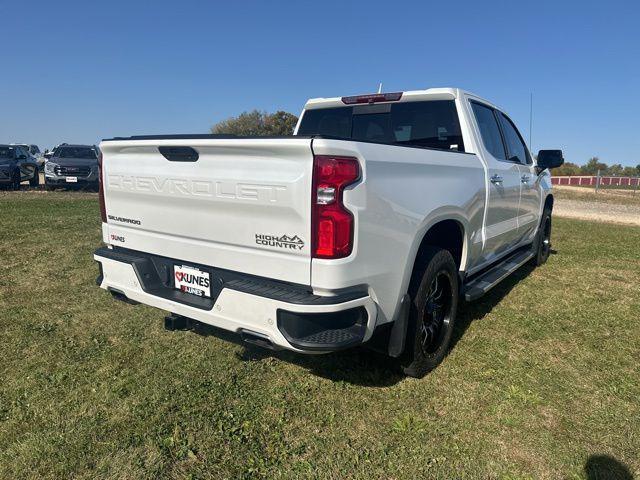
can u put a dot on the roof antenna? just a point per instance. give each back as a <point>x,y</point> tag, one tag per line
<point>380,88</point>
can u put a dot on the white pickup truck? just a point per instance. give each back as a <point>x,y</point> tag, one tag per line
<point>366,226</point>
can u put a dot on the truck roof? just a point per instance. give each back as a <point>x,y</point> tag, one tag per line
<point>440,93</point>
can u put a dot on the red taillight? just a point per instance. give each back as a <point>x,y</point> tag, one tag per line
<point>373,98</point>
<point>103,210</point>
<point>331,222</point>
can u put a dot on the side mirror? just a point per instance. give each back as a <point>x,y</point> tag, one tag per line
<point>549,159</point>
<point>22,157</point>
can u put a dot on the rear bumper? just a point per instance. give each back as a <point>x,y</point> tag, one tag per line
<point>290,316</point>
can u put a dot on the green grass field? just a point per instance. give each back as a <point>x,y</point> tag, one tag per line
<point>543,380</point>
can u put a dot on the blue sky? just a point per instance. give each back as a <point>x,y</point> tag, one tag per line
<point>82,71</point>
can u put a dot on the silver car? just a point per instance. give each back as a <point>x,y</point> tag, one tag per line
<point>34,152</point>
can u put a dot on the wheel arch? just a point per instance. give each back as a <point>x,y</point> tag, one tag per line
<point>448,233</point>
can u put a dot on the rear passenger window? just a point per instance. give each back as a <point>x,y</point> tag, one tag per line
<point>515,145</point>
<point>489,130</point>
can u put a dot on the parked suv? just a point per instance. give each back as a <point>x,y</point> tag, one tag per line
<point>16,166</point>
<point>72,166</point>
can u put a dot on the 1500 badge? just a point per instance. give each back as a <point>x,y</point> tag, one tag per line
<point>283,241</point>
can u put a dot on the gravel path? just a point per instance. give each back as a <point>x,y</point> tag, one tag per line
<point>604,208</point>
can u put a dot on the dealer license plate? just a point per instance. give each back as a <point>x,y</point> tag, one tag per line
<point>191,280</point>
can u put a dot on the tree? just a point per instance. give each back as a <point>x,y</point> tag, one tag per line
<point>257,123</point>
<point>593,165</point>
<point>630,171</point>
<point>615,170</point>
<point>567,169</point>
<point>280,123</point>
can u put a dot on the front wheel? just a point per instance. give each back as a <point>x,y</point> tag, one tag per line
<point>543,240</point>
<point>434,302</point>
<point>15,180</point>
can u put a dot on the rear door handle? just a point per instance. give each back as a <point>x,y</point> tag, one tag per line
<point>496,179</point>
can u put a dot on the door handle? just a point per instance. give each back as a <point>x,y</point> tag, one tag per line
<point>496,179</point>
<point>525,178</point>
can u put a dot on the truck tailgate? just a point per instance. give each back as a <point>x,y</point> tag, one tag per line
<point>243,205</point>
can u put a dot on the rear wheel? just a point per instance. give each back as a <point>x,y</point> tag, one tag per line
<point>434,302</point>
<point>35,181</point>
<point>543,239</point>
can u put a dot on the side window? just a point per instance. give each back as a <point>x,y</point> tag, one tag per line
<point>489,130</point>
<point>515,145</point>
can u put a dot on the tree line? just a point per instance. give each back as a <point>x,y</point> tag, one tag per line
<point>259,123</point>
<point>593,166</point>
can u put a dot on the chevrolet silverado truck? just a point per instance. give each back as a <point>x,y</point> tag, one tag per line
<point>365,227</point>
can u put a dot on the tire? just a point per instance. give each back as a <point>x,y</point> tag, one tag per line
<point>35,181</point>
<point>434,303</point>
<point>542,243</point>
<point>15,180</point>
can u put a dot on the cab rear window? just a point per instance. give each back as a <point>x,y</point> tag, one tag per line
<point>429,124</point>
